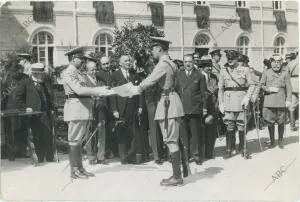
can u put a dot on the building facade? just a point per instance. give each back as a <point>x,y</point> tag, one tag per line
<point>75,24</point>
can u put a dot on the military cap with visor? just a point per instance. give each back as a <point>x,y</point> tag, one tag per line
<point>160,41</point>
<point>232,54</point>
<point>77,52</point>
<point>243,58</point>
<point>205,61</point>
<point>215,52</point>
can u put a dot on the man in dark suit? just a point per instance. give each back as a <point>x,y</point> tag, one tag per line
<point>191,88</point>
<point>36,94</point>
<point>104,75</point>
<point>210,121</point>
<point>125,111</point>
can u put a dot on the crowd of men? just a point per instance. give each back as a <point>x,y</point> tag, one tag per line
<point>176,113</point>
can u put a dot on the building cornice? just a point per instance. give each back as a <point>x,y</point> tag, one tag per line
<point>91,13</point>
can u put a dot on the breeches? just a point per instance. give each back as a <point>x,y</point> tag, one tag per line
<point>274,115</point>
<point>171,136</point>
<point>233,120</point>
<point>77,130</point>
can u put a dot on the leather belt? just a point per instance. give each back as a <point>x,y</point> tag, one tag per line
<point>76,96</point>
<point>166,92</point>
<point>294,75</point>
<point>236,89</point>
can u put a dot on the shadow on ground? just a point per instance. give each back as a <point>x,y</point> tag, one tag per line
<point>207,173</point>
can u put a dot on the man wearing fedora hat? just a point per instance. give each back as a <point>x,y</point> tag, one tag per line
<point>78,108</point>
<point>210,120</point>
<point>35,94</point>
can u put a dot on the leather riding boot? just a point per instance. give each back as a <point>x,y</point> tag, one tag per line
<point>229,138</point>
<point>280,135</point>
<point>176,179</point>
<point>241,139</point>
<point>75,173</point>
<point>233,142</point>
<point>292,121</point>
<point>79,163</point>
<point>186,171</point>
<point>122,153</point>
<point>272,136</point>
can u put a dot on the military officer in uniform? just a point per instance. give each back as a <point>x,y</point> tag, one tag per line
<point>293,67</point>
<point>78,109</point>
<point>276,84</point>
<point>235,90</point>
<point>216,57</point>
<point>169,108</point>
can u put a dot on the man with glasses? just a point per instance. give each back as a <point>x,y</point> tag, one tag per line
<point>235,90</point>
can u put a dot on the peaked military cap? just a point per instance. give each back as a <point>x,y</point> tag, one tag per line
<point>22,56</point>
<point>76,52</point>
<point>205,61</point>
<point>160,41</point>
<point>291,56</point>
<point>232,54</point>
<point>90,56</point>
<point>276,57</point>
<point>37,67</point>
<point>243,58</point>
<point>215,52</point>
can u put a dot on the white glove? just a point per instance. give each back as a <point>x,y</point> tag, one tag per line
<point>221,107</point>
<point>116,114</point>
<point>288,104</point>
<point>140,111</point>
<point>245,102</point>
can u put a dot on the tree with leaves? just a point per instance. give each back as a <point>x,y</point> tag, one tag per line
<point>135,41</point>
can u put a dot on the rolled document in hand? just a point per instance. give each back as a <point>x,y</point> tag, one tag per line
<point>126,90</point>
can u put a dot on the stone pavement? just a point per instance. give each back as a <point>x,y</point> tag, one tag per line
<point>272,175</point>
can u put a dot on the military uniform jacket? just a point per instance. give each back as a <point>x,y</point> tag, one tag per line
<point>76,108</point>
<point>164,74</point>
<point>279,80</point>
<point>294,73</point>
<point>191,90</point>
<point>232,99</point>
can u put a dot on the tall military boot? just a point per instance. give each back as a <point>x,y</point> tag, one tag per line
<point>292,121</point>
<point>229,138</point>
<point>73,155</point>
<point>122,153</point>
<point>271,129</point>
<point>176,179</point>
<point>233,142</point>
<point>185,169</point>
<point>280,135</point>
<point>79,163</point>
<point>242,144</point>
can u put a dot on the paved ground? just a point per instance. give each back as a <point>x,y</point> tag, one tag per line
<point>217,179</point>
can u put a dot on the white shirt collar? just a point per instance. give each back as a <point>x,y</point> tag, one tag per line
<point>125,73</point>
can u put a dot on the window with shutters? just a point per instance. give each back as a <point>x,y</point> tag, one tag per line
<point>42,48</point>
<point>279,45</point>
<point>241,4</point>
<point>278,5</point>
<point>202,3</point>
<point>243,45</point>
<point>104,43</point>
